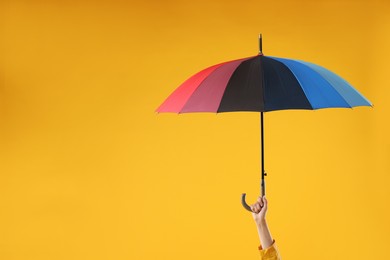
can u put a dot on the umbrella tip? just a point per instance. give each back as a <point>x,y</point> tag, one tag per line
<point>260,44</point>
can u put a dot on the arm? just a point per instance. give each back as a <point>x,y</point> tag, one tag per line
<point>259,210</point>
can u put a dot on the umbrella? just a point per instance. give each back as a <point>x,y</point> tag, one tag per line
<point>261,84</point>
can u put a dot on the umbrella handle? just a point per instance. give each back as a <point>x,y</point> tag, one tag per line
<point>244,204</point>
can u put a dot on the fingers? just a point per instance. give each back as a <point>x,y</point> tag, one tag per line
<point>260,200</point>
<point>261,204</point>
<point>255,208</point>
<point>258,206</point>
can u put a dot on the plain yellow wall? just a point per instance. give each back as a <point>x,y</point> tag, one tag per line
<point>89,171</point>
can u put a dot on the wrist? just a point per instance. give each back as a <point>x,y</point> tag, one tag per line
<point>261,223</point>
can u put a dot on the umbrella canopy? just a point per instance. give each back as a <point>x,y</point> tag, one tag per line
<point>262,83</point>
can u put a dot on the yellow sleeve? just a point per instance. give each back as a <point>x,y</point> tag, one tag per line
<point>270,253</point>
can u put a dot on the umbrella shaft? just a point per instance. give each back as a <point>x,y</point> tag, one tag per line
<point>262,155</point>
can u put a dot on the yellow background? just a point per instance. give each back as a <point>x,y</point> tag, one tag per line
<point>89,171</point>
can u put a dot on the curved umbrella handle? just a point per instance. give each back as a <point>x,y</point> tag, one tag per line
<point>246,206</point>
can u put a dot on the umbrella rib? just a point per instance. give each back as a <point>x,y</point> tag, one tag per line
<point>207,96</point>
<point>317,74</point>
<point>208,74</point>
<point>351,95</point>
<point>324,78</point>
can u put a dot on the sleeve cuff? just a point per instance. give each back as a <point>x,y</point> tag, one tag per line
<point>272,245</point>
<point>270,252</point>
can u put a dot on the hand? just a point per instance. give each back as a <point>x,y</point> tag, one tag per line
<point>259,209</point>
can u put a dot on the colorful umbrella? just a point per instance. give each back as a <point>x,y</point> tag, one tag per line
<point>261,84</point>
